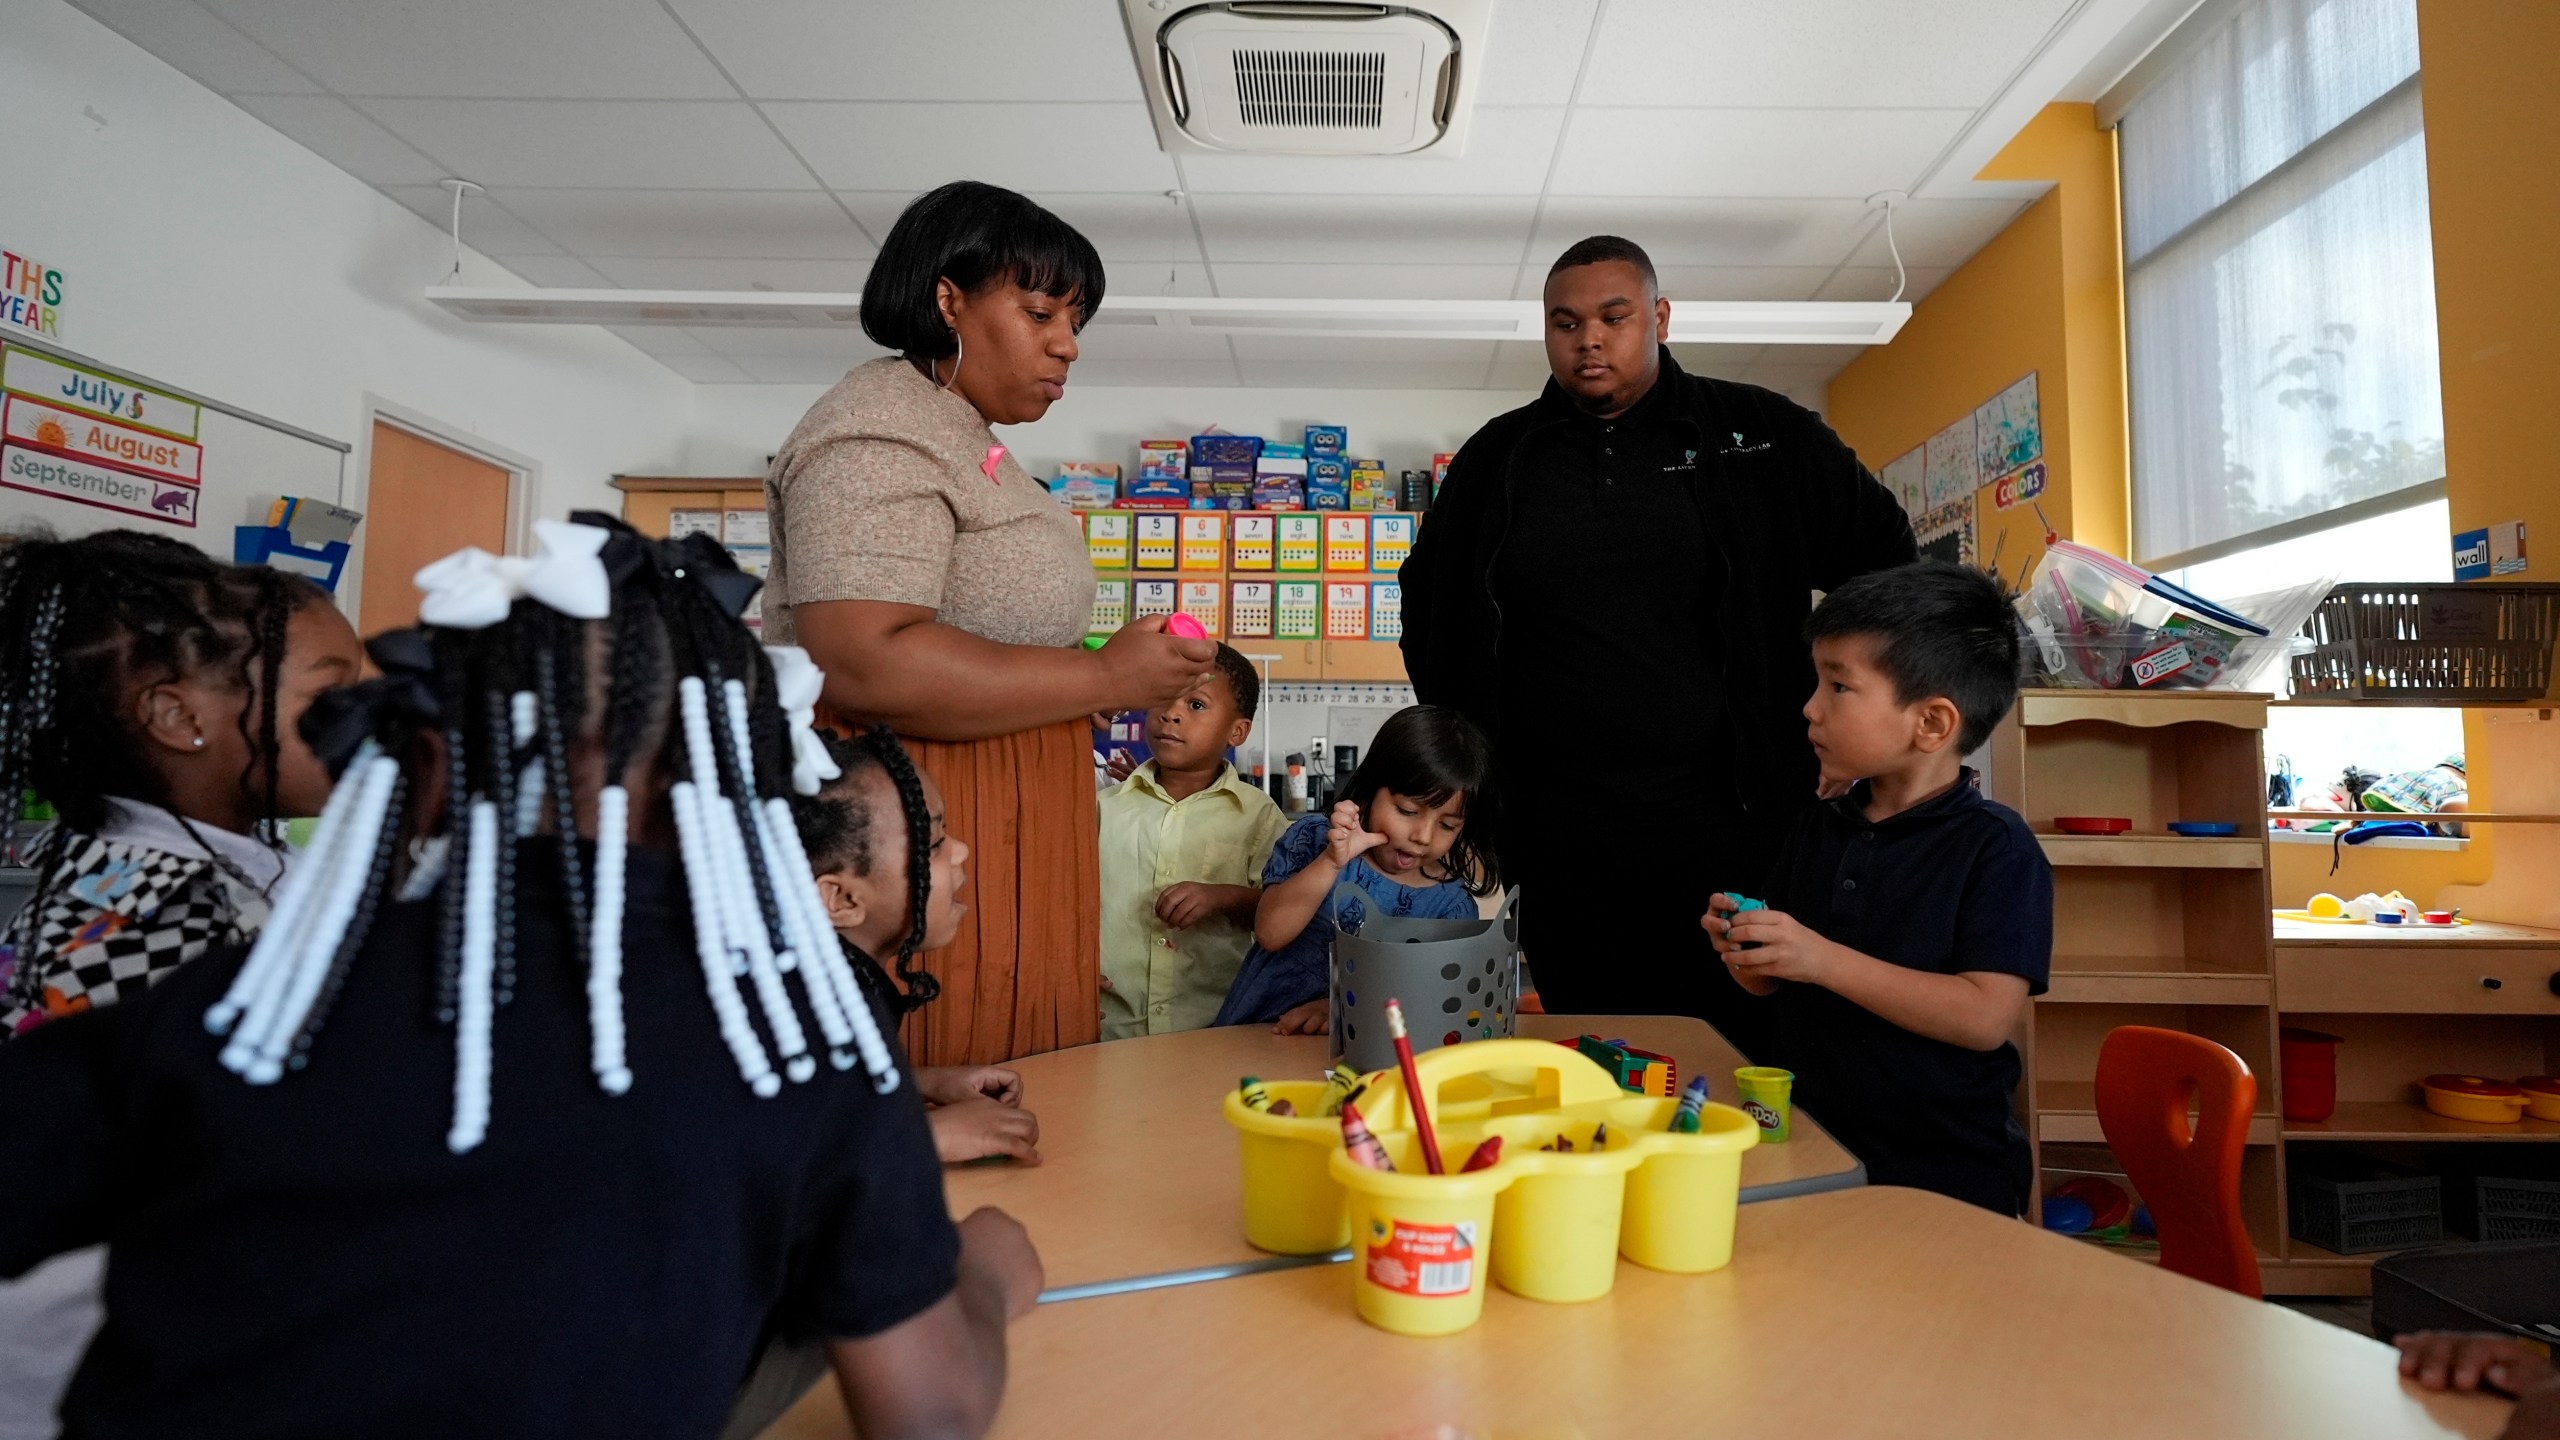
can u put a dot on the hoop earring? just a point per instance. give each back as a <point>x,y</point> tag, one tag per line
<point>959,352</point>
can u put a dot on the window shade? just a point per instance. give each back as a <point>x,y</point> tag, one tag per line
<point>2280,284</point>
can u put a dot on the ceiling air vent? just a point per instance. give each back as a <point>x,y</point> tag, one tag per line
<point>1309,77</point>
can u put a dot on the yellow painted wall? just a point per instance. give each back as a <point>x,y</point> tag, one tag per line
<point>2046,295</point>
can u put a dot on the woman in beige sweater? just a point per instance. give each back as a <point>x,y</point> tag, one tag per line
<point>944,594</point>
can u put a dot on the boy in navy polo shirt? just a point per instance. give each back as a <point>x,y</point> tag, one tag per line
<point>1910,919</point>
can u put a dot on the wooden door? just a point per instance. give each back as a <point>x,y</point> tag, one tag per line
<point>424,501</point>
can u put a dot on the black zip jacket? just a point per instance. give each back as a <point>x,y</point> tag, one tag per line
<point>1786,501</point>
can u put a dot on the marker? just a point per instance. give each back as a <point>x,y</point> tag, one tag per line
<point>1281,1107</point>
<point>1693,1104</point>
<point>1255,1097</point>
<point>1412,1088</point>
<point>1486,1155</point>
<point>1364,1147</point>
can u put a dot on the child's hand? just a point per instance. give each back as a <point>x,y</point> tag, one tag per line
<point>976,1128</point>
<point>957,1084</point>
<point>1349,838</point>
<point>1187,904</point>
<point>1313,1018</point>
<point>1766,944</point>
<point>2448,1360</point>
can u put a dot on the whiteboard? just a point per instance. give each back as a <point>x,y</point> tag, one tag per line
<point>248,461</point>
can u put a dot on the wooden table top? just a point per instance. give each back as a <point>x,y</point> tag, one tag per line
<point>1869,1312</point>
<point>1142,1177</point>
<point>2479,934</point>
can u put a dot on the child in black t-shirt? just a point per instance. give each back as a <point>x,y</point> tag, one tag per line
<point>496,1131</point>
<point>1911,918</point>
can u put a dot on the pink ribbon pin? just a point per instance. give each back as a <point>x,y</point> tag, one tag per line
<point>987,467</point>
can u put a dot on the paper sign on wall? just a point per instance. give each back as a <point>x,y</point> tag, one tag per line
<point>1907,476</point>
<point>55,382</point>
<point>1946,533</point>
<point>2007,430</point>
<point>1950,471</point>
<point>2506,548</point>
<point>2019,487</point>
<point>172,502</point>
<point>30,296</point>
<point>681,523</point>
<point>745,527</point>
<point>32,422</point>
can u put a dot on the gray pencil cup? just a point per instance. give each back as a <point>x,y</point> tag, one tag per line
<point>1456,979</point>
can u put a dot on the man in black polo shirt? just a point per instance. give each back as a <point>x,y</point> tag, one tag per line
<point>1611,583</point>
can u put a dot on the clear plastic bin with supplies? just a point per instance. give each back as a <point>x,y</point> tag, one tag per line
<point>2088,620</point>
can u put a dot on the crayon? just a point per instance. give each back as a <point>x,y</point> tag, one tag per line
<point>1599,1136</point>
<point>1564,1144</point>
<point>1486,1155</point>
<point>1255,1097</point>
<point>1282,1107</point>
<point>1339,1084</point>
<point>1693,1104</point>
<point>1364,1147</point>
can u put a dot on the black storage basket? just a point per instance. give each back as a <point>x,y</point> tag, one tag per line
<point>2355,1208</point>
<point>2431,641</point>
<point>2514,1289</point>
<point>2503,1207</point>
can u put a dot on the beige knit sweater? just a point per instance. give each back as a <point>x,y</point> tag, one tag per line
<point>881,493</point>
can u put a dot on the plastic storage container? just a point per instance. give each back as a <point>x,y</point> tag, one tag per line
<point>2497,1207</point>
<point>2431,641</point>
<point>2310,1067</point>
<point>1457,980</point>
<point>2354,1208</point>
<point>1292,1203</point>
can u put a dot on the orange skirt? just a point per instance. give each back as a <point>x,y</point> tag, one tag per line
<point>1025,973</point>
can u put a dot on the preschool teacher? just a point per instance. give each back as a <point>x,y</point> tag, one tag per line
<point>944,594</point>
<point>1613,583</point>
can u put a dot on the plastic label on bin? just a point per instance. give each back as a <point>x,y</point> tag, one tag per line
<point>1424,1260</point>
<point>2162,663</point>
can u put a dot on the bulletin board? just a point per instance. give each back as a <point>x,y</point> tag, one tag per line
<point>1974,477</point>
<point>86,446</point>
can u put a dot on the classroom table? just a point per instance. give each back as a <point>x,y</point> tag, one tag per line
<point>1868,1312</point>
<point>1141,1180</point>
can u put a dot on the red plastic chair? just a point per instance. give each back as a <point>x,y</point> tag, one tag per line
<point>2188,1174</point>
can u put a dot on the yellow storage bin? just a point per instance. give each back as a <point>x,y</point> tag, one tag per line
<point>1559,1219</point>
<point>1681,1200</point>
<point>1292,1203</point>
<point>1421,1244</point>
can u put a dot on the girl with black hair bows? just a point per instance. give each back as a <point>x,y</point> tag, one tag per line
<point>149,694</point>
<point>944,593</point>
<point>1413,835</point>
<point>890,874</point>
<point>559,1096</point>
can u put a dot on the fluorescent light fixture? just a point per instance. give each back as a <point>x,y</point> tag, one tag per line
<point>1729,322</point>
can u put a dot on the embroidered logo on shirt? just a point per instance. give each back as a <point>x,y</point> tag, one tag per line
<point>1740,446</point>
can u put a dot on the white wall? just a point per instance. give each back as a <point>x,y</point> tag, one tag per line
<point>205,250</point>
<point>737,426</point>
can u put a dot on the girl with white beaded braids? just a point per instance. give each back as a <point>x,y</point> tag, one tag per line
<point>556,1078</point>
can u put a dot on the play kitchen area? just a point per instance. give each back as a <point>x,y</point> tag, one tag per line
<point>2401,1009</point>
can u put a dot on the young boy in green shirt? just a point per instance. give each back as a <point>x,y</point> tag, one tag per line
<point>1183,843</point>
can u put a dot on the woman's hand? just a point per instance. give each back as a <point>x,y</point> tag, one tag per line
<point>1349,837</point>
<point>2449,1360</point>
<point>958,1084</point>
<point>1313,1018</point>
<point>1150,669</point>
<point>976,1128</point>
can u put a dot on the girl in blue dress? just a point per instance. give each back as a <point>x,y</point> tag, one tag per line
<point>1413,836</point>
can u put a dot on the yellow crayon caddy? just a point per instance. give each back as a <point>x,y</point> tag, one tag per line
<point>1544,1224</point>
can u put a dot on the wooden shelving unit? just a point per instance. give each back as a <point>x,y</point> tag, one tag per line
<point>2150,928</point>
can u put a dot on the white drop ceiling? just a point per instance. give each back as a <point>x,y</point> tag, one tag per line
<point>769,144</point>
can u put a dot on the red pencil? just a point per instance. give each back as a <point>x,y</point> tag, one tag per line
<point>1413,1087</point>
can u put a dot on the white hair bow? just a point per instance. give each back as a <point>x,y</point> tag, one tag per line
<point>797,683</point>
<point>472,589</point>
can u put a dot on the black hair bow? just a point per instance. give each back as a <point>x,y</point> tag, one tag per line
<point>389,708</point>
<point>697,557</point>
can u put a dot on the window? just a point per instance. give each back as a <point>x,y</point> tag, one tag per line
<point>2280,286</point>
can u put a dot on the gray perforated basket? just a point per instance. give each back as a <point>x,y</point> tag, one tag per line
<point>1457,980</point>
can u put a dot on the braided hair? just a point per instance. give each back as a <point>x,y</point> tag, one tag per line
<point>838,830</point>
<point>612,647</point>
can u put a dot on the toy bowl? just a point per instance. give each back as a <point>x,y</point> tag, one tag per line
<point>2092,824</point>
<point>2541,1096</point>
<point>2474,1097</point>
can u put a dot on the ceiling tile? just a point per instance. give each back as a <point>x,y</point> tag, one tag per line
<point>1696,232</point>
<point>486,225</point>
<point>1474,230</point>
<point>1857,282</point>
<point>720,224</point>
<point>1742,282</point>
<point>1533,52</point>
<point>1834,356</point>
<point>794,276</point>
<point>627,144</point>
<point>1362,374</point>
<point>1139,227</point>
<point>200,44</point>
<point>843,345</point>
<point>1273,281</point>
<point>794,369</point>
<point>558,272</point>
<point>1937,232</point>
<point>555,49</point>
<point>706,369</point>
<point>1124,374</point>
<point>1147,342</point>
<point>1138,277</point>
<point>911,147</point>
<point>1721,357</point>
<point>1507,154</point>
<point>902,50</point>
<point>1318,348</point>
<point>1750,152</point>
<point>332,130</point>
<point>1779,375</point>
<point>1954,53</point>
<point>660,339</point>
